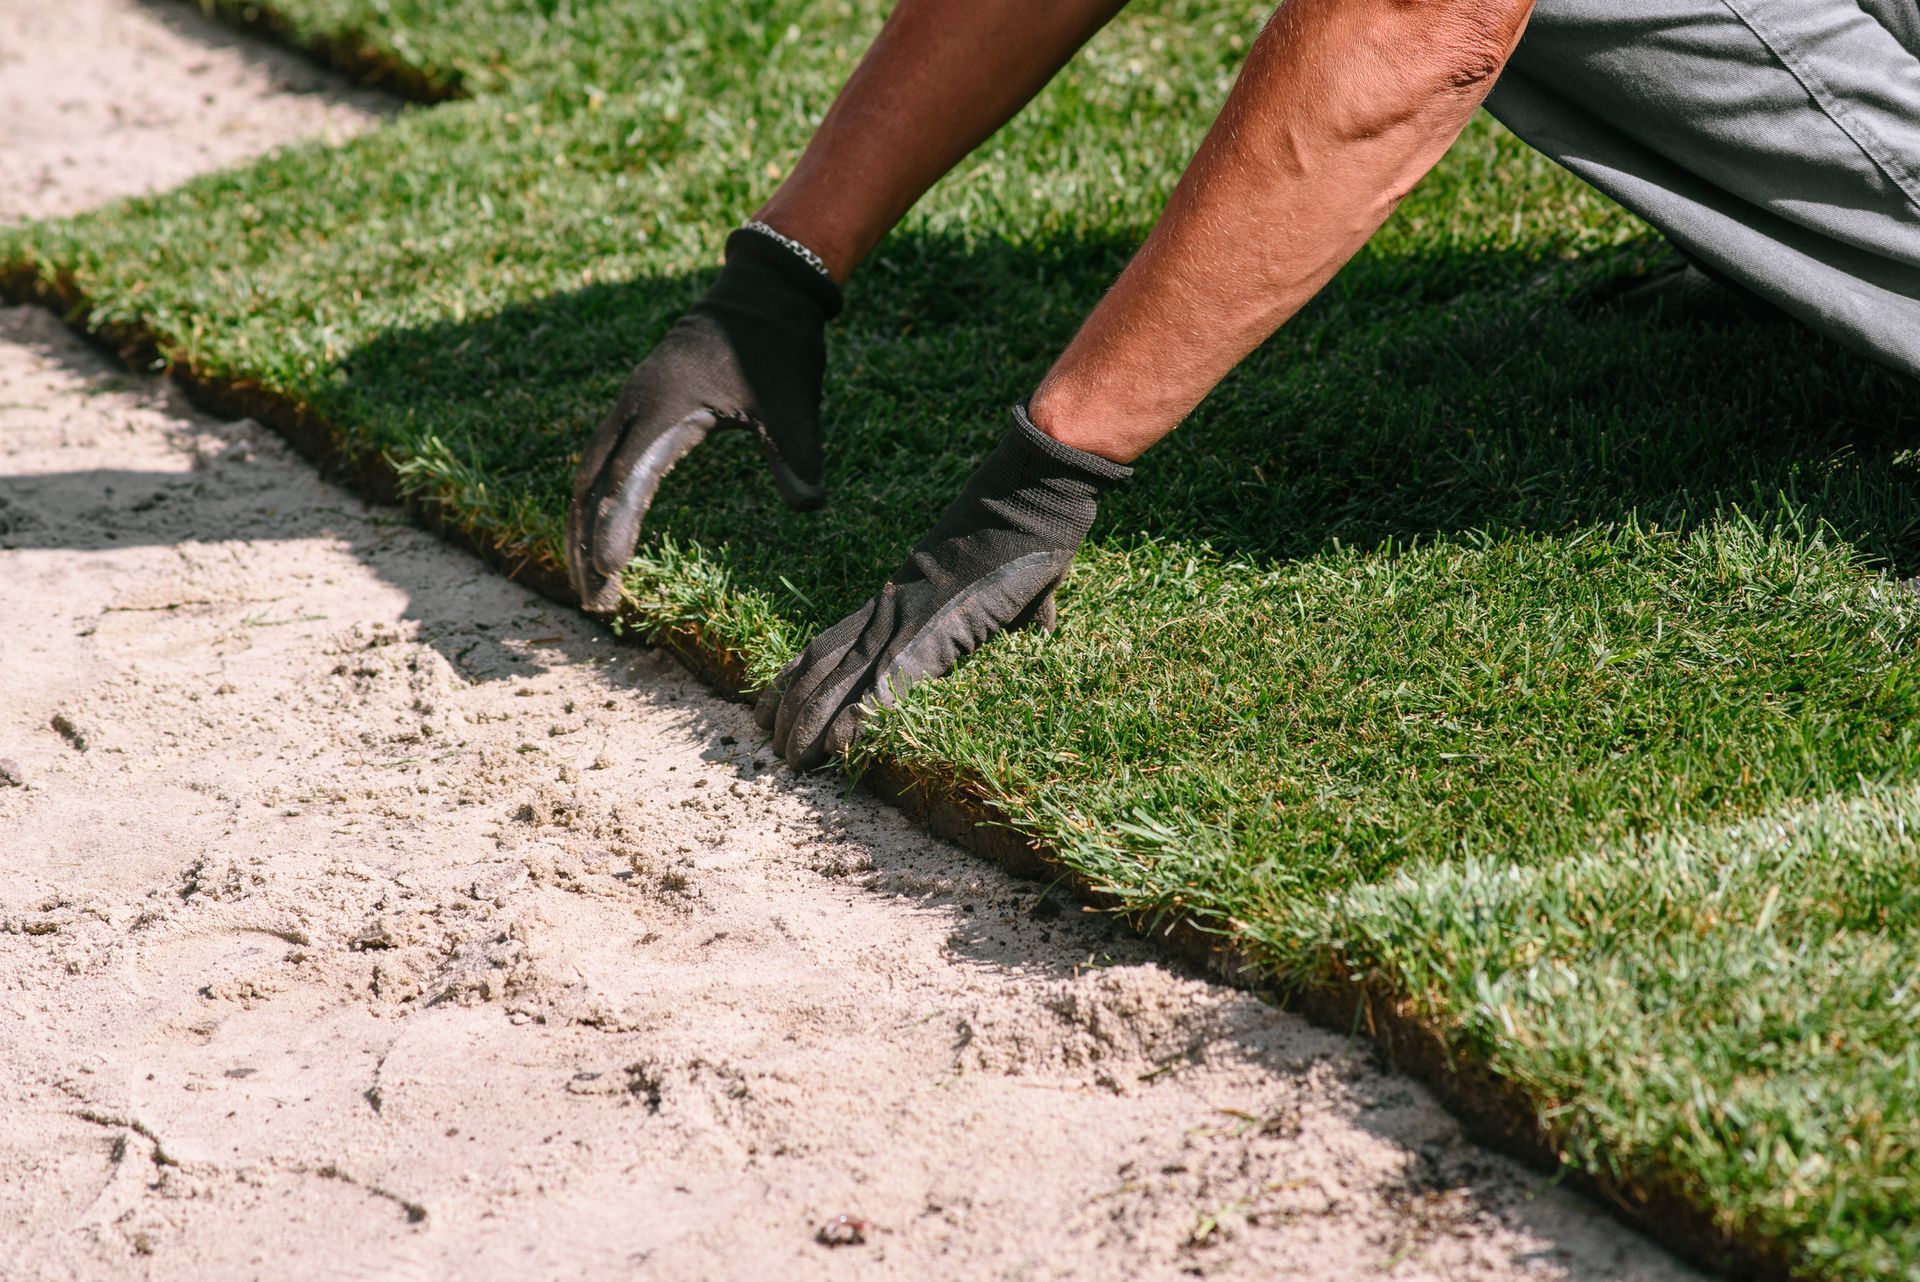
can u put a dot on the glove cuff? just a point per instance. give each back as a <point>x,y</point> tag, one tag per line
<point>1043,449</point>
<point>766,263</point>
<point>1036,485</point>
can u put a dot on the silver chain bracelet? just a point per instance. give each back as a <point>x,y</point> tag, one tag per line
<point>805,255</point>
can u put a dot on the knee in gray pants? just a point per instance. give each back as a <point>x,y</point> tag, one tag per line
<point>1775,141</point>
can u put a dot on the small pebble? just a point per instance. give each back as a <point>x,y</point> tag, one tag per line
<point>842,1230</point>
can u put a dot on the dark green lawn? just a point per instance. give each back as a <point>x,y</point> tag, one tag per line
<point>1538,662</point>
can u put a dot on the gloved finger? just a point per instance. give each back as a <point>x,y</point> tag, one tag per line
<point>839,732</point>
<point>626,487</point>
<point>1041,615</point>
<point>897,648</point>
<point>627,457</point>
<point>814,663</point>
<point>825,721</point>
<point>663,412</point>
<point>593,459</point>
<point>832,717</point>
<point>835,657</point>
<point>799,481</point>
<point>767,706</point>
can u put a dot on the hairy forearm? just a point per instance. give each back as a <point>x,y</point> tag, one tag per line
<point>940,78</point>
<point>1342,106</point>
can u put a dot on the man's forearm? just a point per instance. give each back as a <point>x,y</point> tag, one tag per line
<point>1342,106</point>
<point>939,79</point>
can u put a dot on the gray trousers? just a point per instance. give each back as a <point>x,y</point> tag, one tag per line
<point>1776,141</point>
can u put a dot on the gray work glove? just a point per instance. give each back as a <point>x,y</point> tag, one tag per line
<point>990,564</point>
<point>750,354</point>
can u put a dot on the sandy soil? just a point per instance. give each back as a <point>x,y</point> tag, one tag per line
<point>362,915</point>
<point>106,98</point>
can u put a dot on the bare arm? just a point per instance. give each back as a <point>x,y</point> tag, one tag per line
<point>1342,107</point>
<point>940,77</point>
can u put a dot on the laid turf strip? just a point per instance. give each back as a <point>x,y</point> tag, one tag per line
<point>1478,643</point>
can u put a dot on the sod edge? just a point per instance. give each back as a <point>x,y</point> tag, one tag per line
<point>354,54</point>
<point>1495,1111</point>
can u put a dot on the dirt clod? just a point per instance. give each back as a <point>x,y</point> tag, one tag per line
<point>842,1230</point>
<point>69,730</point>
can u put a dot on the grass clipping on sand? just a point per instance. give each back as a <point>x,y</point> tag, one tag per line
<point>1539,664</point>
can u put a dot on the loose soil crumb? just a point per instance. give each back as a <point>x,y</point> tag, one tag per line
<point>362,914</point>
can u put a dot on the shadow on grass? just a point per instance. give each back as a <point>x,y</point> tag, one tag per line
<point>1419,397</point>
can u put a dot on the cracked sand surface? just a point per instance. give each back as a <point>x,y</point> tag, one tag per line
<point>363,914</point>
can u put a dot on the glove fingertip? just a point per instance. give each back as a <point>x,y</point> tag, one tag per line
<point>795,750</point>
<point>766,709</point>
<point>802,494</point>
<point>610,545</point>
<point>826,747</point>
<point>840,733</point>
<point>600,590</point>
<point>1042,615</point>
<point>601,595</point>
<point>799,735</point>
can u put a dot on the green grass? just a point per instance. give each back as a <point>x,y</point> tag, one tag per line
<point>1735,1004</point>
<point>1537,663</point>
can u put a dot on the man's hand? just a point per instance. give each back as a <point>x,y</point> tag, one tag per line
<point>750,354</point>
<point>991,563</point>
